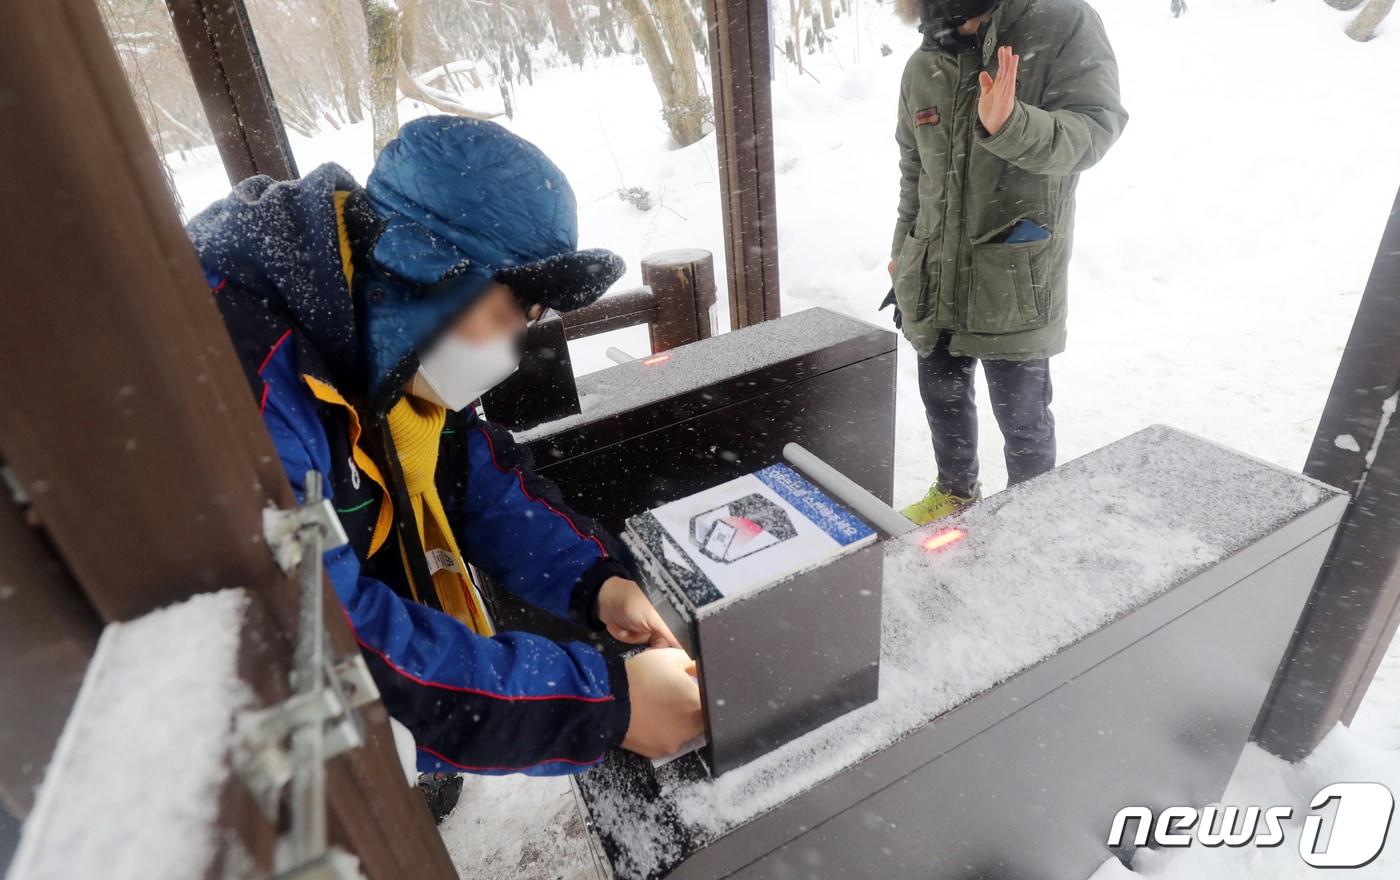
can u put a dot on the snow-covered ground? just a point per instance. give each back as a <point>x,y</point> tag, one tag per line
<point>1222,248</point>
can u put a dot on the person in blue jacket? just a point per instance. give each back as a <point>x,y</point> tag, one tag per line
<point>368,321</point>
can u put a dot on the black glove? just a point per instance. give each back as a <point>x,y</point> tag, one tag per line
<point>565,281</point>
<point>890,301</point>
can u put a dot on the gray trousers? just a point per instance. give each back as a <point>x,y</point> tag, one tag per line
<point>1020,393</point>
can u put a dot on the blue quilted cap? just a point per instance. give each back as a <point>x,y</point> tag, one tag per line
<point>467,198</point>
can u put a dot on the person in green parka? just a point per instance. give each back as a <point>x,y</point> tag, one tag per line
<point>1000,109</point>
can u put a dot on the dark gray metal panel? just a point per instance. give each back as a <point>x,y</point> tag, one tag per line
<point>837,401</point>
<point>1159,723</point>
<point>814,640</point>
<point>543,388</point>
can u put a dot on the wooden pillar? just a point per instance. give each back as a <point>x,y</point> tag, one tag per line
<point>1355,606</point>
<point>741,65</point>
<point>127,419</point>
<point>683,282</point>
<point>222,53</point>
<point>47,635</point>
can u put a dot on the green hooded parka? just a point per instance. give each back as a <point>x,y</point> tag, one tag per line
<point>962,190</point>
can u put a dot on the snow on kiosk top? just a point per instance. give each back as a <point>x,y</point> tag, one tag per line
<point>629,386</point>
<point>1039,567</point>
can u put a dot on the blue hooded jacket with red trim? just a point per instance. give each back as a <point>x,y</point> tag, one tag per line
<point>276,256</point>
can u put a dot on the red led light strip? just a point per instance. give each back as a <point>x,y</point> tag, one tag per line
<point>943,539</point>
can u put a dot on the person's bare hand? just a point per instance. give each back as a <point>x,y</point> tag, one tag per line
<point>891,267</point>
<point>665,700</point>
<point>630,617</point>
<point>998,99</point>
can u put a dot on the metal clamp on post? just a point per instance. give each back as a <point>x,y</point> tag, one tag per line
<point>285,747</point>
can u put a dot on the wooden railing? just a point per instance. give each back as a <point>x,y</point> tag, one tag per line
<point>676,304</point>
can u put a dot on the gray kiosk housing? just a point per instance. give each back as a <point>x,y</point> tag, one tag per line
<point>1101,636</point>
<point>778,661</point>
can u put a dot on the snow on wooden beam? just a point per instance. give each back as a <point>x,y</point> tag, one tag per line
<point>134,789</point>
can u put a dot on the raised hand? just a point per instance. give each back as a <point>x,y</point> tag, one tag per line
<point>998,99</point>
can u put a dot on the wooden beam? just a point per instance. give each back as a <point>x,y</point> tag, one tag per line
<point>127,419</point>
<point>47,635</point>
<point>741,65</point>
<point>683,282</point>
<point>615,311</point>
<point>228,73</point>
<point>1354,609</point>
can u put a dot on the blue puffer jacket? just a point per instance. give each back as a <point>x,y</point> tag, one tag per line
<point>290,266</point>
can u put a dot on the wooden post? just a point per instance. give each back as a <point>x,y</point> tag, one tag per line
<point>47,635</point>
<point>1355,606</point>
<point>683,282</point>
<point>741,64</point>
<point>228,74</point>
<point>127,419</point>
<point>626,308</point>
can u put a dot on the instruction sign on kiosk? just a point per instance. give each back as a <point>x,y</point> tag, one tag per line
<point>768,570</point>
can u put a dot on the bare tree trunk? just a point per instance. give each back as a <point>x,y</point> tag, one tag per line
<point>408,33</point>
<point>653,50</point>
<point>1363,27</point>
<point>673,70</point>
<point>570,40</point>
<point>795,8</point>
<point>382,29</point>
<point>699,34</point>
<point>828,18</point>
<point>686,115</point>
<point>340,48</point>
<point>607,27</point>
<point>191,137</point>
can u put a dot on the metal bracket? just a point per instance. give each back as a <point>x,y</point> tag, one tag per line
<point>284,531</point>
<point>333,864</point>
<point>284,748</point>
<point>267,758</point>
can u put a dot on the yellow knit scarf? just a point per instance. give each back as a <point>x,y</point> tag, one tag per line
<point>416,427</point>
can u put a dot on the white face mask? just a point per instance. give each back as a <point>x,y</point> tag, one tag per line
<point>455,372</point>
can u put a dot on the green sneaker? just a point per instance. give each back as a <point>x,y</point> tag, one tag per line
<point>939,503</point>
